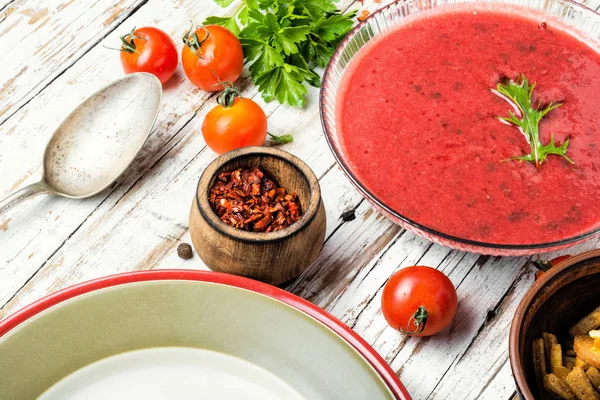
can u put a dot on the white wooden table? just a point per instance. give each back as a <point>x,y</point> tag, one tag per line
<point>51,58</point>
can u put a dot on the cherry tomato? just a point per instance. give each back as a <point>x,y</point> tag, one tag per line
<point>212,55</point>
<point>236,122</point>
<point>150,50</point>
<point>419,301</point>
<point>544,265</point>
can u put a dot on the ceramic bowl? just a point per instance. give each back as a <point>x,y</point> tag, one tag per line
<point>274,257</point>
<point>255,337</point>
<point>560,298</point>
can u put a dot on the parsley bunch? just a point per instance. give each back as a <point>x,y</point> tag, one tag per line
<point>283,40</point>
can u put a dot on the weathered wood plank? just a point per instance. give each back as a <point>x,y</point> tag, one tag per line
<point>487,353</point>
<point>27,132</point>
<point>6,3</point>
<point>483,370</point>
<point>346,253</point>
<point>483,290</point>
<point>40,39</point>
<point>142,231</point>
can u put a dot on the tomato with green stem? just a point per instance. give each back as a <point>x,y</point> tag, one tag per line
<point>151,50</point>
<point>419,301</point>
<point>234,123</point>
<point>211,55</point>
<point>237,122</point>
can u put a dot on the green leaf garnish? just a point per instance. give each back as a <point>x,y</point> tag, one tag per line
<point>283,40</point>
<point>228,22</point>
<point>519,94</point>
<point>281,139</point>
<point>284,84</point>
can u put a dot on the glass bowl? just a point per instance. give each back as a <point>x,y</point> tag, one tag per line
<point>581,21</point>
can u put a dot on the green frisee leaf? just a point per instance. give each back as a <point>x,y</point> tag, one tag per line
<point>519,94</point>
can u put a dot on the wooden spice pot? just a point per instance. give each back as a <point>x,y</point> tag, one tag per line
<point>273,257</point>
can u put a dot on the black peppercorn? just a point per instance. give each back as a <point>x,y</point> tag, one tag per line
<point>184,250</point>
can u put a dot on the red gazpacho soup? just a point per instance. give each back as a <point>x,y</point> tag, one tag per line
<point>420,129</point>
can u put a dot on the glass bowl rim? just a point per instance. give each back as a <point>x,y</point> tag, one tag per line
<point>379,203</point>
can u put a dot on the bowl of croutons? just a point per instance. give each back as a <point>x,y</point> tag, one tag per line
<point>554,341</point>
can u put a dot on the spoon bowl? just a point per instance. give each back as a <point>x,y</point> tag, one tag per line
<point>94,145</point>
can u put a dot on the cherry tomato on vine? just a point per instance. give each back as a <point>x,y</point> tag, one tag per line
<point>419,301</point>
<point>150,50</point>
<point>544,265</point>
<point>236,122</point>
<point>211,55</point>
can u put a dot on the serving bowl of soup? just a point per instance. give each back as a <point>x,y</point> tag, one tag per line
<point>412,112</point>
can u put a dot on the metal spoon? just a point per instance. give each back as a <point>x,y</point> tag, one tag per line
<point>97,141</point>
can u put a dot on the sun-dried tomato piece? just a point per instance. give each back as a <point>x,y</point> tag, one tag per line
<point>247,199</point>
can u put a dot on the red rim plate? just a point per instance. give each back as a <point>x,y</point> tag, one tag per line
<point>358,343</point>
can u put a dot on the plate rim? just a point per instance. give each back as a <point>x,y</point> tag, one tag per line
<point>348,335</point>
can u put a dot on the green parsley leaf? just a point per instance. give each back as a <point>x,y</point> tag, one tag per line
<point>264,56</point>
<point>227,22</point>
<point>267,83</point>
<point>252,48</point>
<point>266,4</point>
<point>311,76</point>
<point>242,15</point>
<point>282,83</point>
<point>317,8</point>
<point>289,88</point>
<point>329,28</point>
<point>283,40</point>
<point>317,52</point>
<point>255,15</point>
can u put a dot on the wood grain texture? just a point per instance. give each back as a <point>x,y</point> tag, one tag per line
<point>56,219</point>
<point>50,243</point>
<point>51,36</point>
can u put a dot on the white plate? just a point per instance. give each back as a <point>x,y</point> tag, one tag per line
<point>171,373</point>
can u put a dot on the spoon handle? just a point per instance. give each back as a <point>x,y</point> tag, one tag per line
<point>22,194</point>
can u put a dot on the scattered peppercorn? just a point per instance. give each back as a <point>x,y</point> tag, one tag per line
<point>184,250</point>
<point>248,200</point>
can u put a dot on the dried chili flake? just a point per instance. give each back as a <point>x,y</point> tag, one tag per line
<point>363,15</point>
<point>249,200</point>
